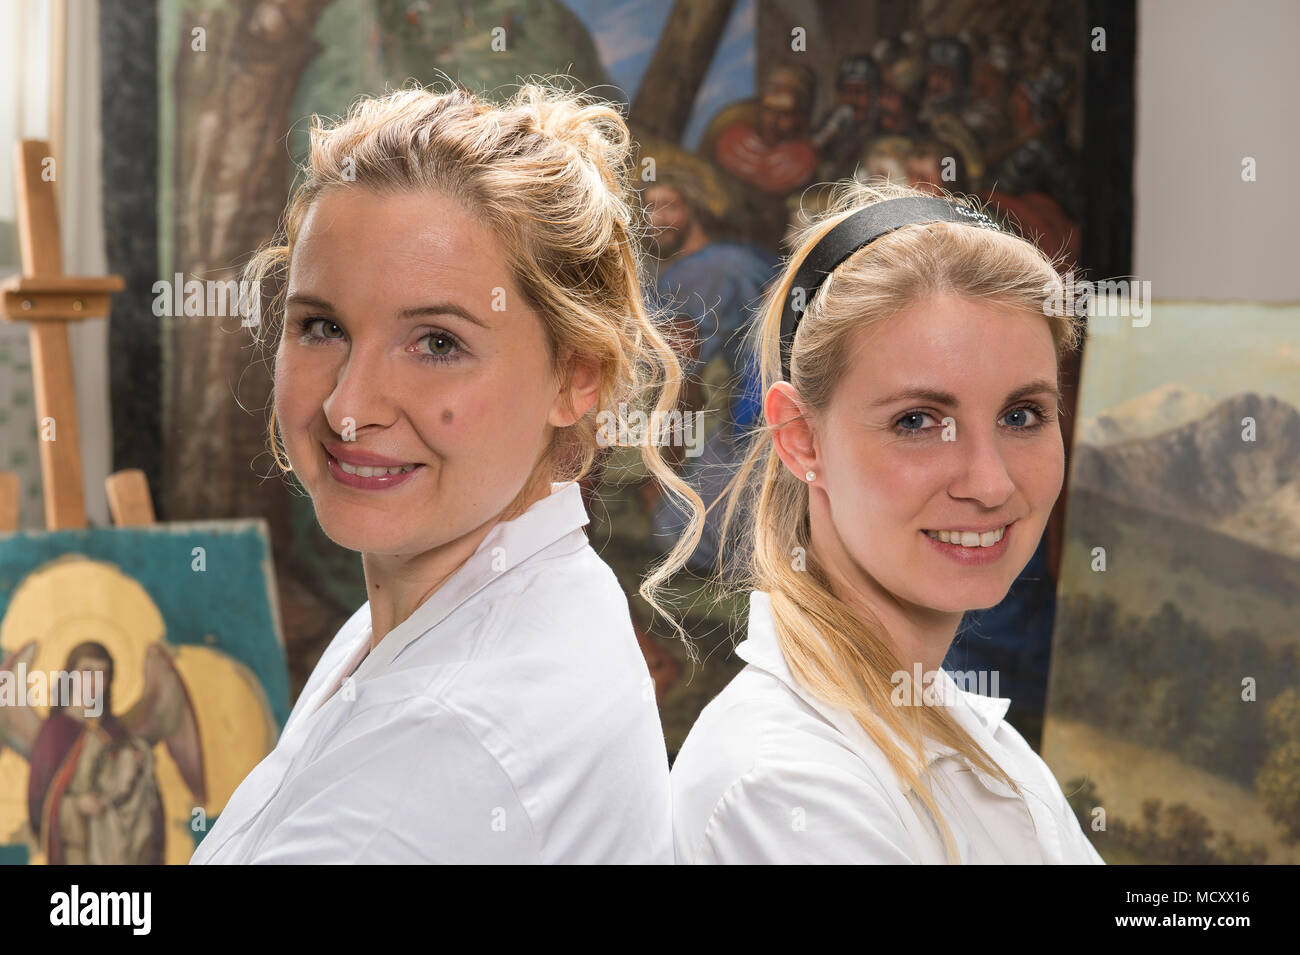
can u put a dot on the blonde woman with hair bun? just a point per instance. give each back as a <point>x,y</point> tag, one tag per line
<point>910,459</point>
<point>458,299</point>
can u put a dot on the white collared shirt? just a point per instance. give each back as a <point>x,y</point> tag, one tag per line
<point>511,718</point>
<point>771,774</point>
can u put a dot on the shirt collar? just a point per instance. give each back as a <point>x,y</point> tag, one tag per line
<point>979,715</point>
<point>507,545</point>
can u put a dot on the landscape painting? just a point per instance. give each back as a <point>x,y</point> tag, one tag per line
<point>1173,709</point>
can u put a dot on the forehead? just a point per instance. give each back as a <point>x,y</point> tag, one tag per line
<point>662,191</point>
<point>950,343</point>
<point>394,242</point>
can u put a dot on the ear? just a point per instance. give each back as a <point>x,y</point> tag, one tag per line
<point>793,436</point>
<point>579,392</point>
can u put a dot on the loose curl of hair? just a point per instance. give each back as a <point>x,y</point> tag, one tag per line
<point>550,172</point>
<point>839,654</point>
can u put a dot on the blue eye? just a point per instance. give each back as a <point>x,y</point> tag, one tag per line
<point>1033,409</point>
<point>899,426</point>
<point>916,429</point>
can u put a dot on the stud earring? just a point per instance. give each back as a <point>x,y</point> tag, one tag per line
<point>811,475</point>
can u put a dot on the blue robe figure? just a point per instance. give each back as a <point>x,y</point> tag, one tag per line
<point>719,287</point>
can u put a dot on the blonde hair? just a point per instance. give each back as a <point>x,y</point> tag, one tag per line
<point>550,173</point>
<point>832,650</point>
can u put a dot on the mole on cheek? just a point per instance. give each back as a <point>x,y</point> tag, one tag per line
<point>447,416</point>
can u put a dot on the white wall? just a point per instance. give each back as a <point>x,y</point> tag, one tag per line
<point>1217,82</point>
<point>82,215</point>
<point>24,112</point>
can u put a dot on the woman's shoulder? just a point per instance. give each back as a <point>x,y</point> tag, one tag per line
<point>541,658</point>
<point>555,659</point>
<point>568,587</point>
<point>761,764</point>
<point>555,605</point>
<point>555,627</point>
<point>568,612</point>
<point>759,721</point>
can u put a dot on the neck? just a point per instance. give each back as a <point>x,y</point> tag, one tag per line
<point>696,239</point>
<point>915,634</point>
<point>398,584</point>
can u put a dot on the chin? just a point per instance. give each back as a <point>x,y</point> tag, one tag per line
<point>361,536</point>
<point>974,598</point>
<point>986,603</point>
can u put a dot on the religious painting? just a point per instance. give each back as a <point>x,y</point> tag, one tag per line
<point>739,110</point>
<point>975,98</point>
<point>142,677</point>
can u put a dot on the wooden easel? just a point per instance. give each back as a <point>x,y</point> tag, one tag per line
<point>48,300</point>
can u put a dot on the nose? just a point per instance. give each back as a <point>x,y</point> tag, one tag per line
<point>359,398</point>
<point>982,473</point>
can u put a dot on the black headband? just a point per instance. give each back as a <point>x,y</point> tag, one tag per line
<point>865,225</point>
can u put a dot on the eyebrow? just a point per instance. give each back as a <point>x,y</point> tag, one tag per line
<point>413,311</point>
<point>920,393</point>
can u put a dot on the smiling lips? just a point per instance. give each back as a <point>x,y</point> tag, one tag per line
<point>969,538</point>
<point>972,548</point>
<point>365,470</point>
<point>363,459</point>
<point>374,472</point>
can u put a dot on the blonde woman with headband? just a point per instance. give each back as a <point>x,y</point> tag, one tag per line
<point>459,299</point>
<point>910,460</point>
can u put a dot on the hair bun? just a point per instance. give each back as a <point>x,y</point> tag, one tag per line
<point>589,125</point>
